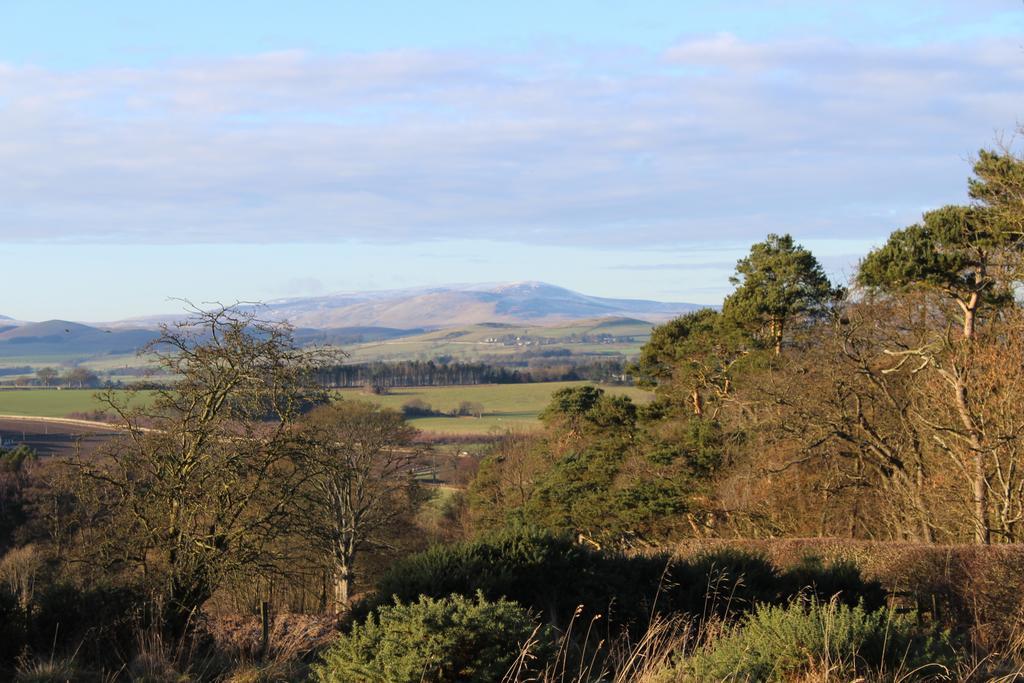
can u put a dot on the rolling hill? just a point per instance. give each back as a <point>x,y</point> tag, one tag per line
<point>62,337</point>
<point>534,303</point>
<point>462,321</point>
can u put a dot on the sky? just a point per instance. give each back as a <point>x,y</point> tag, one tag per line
<point>256,150</point>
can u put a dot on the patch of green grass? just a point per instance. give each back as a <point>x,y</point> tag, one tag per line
<point>434,508</point>
<point>506,406</point>
<point>52,402</point>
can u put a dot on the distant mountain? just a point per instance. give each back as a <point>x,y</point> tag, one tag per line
<point>353,318</point>
<point>64,337</point>
<point>343,336</point>
<point>438,307</point>
<point>75,341</point>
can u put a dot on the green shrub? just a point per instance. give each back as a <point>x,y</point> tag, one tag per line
<point>555,576</point>
<point>783,643</point>
<point>841,579</point>
<point>451,639</point>
<point>724,582</point>
<point>551,574</point>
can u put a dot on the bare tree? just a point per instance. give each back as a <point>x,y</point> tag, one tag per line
<point>47,375</point>
<point>358,458</point>
<point>205,479</point>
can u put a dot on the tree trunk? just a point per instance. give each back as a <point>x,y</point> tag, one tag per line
<point>342,585</point>
<point>970,309</point>
<point>982,532</point>
<point>776,331</point>
<point>698,403</point>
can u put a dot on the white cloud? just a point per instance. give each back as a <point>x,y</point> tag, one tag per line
<point>718,138</point>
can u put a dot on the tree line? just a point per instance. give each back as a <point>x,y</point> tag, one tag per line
<point>416,373</point>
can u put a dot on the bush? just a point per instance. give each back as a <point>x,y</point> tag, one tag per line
<point>451,639</point>
<point>555,575</point>
<point>551,574</point>
<point>12,628</point>
<point>973,590</point>
<point>470,409</point>
<point>721,583</point>
<point>417,407</point>
<point>784,643</point>
<point>840,579</point>
<point>501,565</point>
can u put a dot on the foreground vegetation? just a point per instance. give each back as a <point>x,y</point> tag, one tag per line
<point>827,485</point>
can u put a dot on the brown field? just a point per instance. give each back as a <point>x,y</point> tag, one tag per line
<point>52,438</point>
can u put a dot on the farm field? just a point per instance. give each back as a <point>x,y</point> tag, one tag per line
<point>51,402</point>
<point>506,406</point>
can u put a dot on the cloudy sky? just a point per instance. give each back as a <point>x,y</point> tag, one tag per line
<point>254,150</point>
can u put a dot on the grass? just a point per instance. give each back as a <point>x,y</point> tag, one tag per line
<point>51,402</point>
<point>506,406</point>
<point>431,515</point>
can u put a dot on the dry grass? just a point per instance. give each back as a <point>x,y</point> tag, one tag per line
<point>294,640</point>
<point>584,656</point>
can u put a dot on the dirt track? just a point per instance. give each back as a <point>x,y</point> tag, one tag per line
<point>53,437</point>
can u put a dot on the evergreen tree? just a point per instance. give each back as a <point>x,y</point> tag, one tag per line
<point>778,283</point>
<point>968,253</point>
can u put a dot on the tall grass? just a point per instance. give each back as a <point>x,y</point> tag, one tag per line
<point>583,655</point>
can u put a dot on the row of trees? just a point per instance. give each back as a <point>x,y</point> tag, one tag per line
<point>386,375</point>
<point>80,378</point>
<point>416,374</point>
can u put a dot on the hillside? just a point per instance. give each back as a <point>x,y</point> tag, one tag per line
<point>460,305</point>
<point>600,336</point>
<point>466,322</point>
<point>62,337</point>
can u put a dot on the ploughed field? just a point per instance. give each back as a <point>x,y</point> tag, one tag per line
<point>53,438</point>
<point>505,406</point>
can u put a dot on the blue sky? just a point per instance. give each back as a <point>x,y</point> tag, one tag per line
<point>262,149</point>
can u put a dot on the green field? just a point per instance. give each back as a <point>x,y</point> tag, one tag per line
<point>51,402</point>
<point>506,406</point>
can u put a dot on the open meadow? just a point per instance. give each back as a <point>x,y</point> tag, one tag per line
<point>506,406</point>
<point>514,406</point>
<point>54,402</point>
